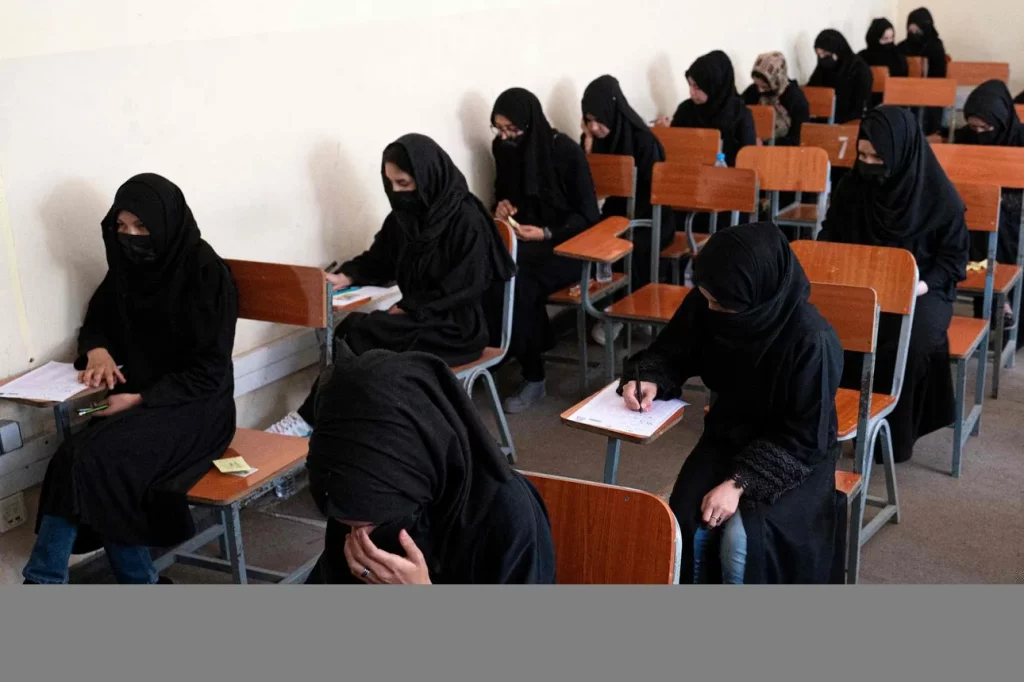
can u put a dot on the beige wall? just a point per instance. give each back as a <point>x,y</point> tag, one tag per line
<point>983,31</point>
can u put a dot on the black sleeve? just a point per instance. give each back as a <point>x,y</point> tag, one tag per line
<point>743,135</point>
<point>681,119</point>
<point>673,357</point>
<point>208,362</point>
<point>100,318</point>
<point>466,283</point>
<point>516,548</point>
<point>833,227</point>
<point>378,265</point>
<point>817,79</point>
<point>579,191</point>
<point>899,68</point>
<point>937,60</point>
<point>751,95</point>
<point>782,457</point>
<point>951,256</point>
<point>799,113</point>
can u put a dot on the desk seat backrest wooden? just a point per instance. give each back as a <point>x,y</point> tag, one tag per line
<point>612,174</point>
<point>821,101</point>
<point>891,272</point>
<point>879,74</point>
<point>704,188</point>
<point>764,120</point>
<point>920,92</point>
<point>852,311</point>
<point>976,73</point>
<point>982,202</point>
<point>607,535</point>
<point>1003,166</point>
<point>917,67</point>
<point>283,294</point>
<point>689,145</point>
<point>787,169</point>
<point>838,141</point>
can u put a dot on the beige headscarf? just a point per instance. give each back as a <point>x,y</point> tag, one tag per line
<point>771,67</point>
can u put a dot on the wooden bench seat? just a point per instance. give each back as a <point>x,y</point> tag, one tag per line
<point>570,295</point>
<point>848,482</point>
<point>847,404</point>
<point>680,247</point>
<point>805,213</point>
<point>965,333</point>
<point>490,353</point>
<point>271,454</point>
<point>1005,277</point>
<point>651,304</point>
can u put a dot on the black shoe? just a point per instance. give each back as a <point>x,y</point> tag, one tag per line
<point>29,582</point>
<point>164,580</point>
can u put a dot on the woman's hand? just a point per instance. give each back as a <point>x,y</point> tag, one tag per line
<point>720,504</point>
<point>505,209</point>
<point>118,403</point>
<point>922,288</point>
<point>395,310</point>
<point>339,281</point>
<point>101,370</point>
<point>529,233</point>
<point>385,568</point>
<point>648,391</point>
<point>588,138</point>
<point>663,122</point>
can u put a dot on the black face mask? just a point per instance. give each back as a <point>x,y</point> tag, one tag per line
<point>872,172</point>
<point>988,137</point>
<point>916,38</point>
<point>407,202</point>
<point>827,63</point>
<point>510,142</point>
<point>137,248</point>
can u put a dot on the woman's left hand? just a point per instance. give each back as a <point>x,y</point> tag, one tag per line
<point>395,310</point>
<point>721,503</point>
<point>530,233</point>
<point>922,288</point>
<point>385,568</point>
<point>119,402</point>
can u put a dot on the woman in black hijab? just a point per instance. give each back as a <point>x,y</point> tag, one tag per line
<point>714,103</point>
<point>543,183</point>
<point>923,41</point>
<point>414,487</point>
<point>158,333</point>
<point>992,120</point>
<point>773,87</point>
<point>441,247</point>
<point>882,51</point>
<point>611,126</point>
<point>899,196</point>
<point>840,69</point>
<point>761,480</point>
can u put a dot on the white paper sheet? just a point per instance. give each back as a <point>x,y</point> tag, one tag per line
<point>608,411</point>
<point>376,298</point>
<point>54,381</point>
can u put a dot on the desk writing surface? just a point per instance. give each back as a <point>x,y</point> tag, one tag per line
<point>669,413</point>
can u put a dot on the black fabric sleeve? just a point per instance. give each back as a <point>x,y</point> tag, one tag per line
<point>817,79</point>
<point>378,265</point>
<point>799,113</point>
<point>951,256</point>
<point>744,135</point>
<point>751,95</point>
<point>681,118</point>
<point>673,357</point>
<point>579,191</point>
<point>937,60</point>
<point>899,68</point>
<point>466,283</point>
<point>207,364</point>
<point>100,316</point>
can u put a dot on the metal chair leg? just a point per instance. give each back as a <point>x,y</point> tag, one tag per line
<point>889,462</point>
<point>236,551</point>
<point>581,339</point>
<point>505,435</point>
<point>997,344</point>
<point>853,543</point>
<point>611,460</point>
<point>958,422</point>
<point>981,357</point>
<point>609,351</point>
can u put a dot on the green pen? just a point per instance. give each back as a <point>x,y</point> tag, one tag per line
<point>89,410</point>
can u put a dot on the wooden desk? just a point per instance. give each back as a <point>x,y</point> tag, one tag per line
<point>61,410</point>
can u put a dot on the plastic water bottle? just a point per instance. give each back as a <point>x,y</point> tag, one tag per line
<point>720,161</point>
<point>604,272</point>
<point>285,488</point>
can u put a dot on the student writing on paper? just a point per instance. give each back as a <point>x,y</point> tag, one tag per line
<point>441,246</point>
<point>882,51</point>
<point>543,183</point>
<point>923,41</point>
<point>840,69</point>
<point>166,313</point>
<point>899,196</point>
<point>414,486</point>
<point>773,87</point>
<point>756,497</point>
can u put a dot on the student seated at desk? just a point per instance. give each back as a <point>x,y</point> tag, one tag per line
<point>923,41</point>
<point>414,487</point>
<point>158,332</point>
<point>714,103</point>
<point>882,51</point>
<point>899,196</point>
<point>992,120</point>
<point>843,71</point>
<point>442,248</point>
<point>760,483</point>
<point>772,87</point>
<point>543,182</point>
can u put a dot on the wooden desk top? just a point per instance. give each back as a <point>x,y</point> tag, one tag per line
<point>85,393</point>
<point>653,303</point>
<point>611,433</point>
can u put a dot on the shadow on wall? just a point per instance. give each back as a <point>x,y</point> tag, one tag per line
<point>805,59</point>
<point>563,108</point>
<point>71,216</point>
<point>474,118</point>
<point>347,206</point>
<point>664,86</point>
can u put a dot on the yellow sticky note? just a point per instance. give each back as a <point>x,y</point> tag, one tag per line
<point>230,465</point>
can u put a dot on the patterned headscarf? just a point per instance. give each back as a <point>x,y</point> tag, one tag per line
<point>771,68</point>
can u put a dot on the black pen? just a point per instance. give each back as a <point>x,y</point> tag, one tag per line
<point>639,393</point>
<point>330,268</point>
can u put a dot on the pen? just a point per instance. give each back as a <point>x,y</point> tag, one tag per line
<point>89,410</point>
<point>346,290</point>
<point>639,393</point>
<point>330,268</point>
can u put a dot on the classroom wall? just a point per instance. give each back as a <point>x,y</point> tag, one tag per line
<point>985,31</point>
<point>272,116</point>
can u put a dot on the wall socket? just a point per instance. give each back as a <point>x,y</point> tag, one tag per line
<point>12,512</point>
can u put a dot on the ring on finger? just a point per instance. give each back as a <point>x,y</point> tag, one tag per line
<point>365,573</point>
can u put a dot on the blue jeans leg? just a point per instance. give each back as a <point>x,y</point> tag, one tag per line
<point>132,564</point>
<point>700,546</point>
<point>48,563</point>
<point>733,552</point>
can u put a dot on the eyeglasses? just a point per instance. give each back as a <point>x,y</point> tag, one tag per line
<point>506,131</point>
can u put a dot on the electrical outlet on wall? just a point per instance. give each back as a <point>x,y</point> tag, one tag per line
<point>12,512</point>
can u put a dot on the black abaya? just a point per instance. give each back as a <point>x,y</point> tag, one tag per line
<point>545,176</point>
<point>888,55</point>
<point>774,366</point>
<point>399,444</point>
<point>927,44</point>
<point>170,324</point>
<point>915,208</point>
<point>848,75</point>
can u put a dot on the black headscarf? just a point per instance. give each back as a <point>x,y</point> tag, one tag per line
<point>443,190</point>
<point>877,54</point>
<point>833,41</point>
<point>752,270</point>
<point>399,442</point>
<point>713,73</point>
<point>603,99</point>
<point>991,102</point>
<point>922,18</point>
<point>528,167</point>
<point>916,196</point>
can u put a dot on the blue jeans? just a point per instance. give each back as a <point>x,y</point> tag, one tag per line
<point>732,553</point>
<point>48,564</point>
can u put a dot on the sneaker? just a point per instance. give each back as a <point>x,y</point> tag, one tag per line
<point>644,330</point>
<point>598,333</point>
<point>292,425</point>
<point>531,393</point>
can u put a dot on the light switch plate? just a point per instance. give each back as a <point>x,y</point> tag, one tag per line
<point>10,436</point>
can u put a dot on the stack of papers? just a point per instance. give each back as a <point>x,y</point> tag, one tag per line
<point>608,411</point>
<point>357,296</point>
<point>235,466</point>
<point>53,382</point>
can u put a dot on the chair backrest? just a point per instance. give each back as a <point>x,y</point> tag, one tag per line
<point>508,237</point>
<point>821,101</point>
<point>879,74</point>
<point>764,121</point>
<point>1003,166</point>
<point>982,202</point>
<point>976,73</point>
<point>787,169</point>
<point>704,188</point>
<point>285,294</point>
<point>920,92</point>
<point>689,145</point>
<point>838,141</point>
<point>852,311</point>
<point>613,174</point>
<point>607,535</point>
<point>917,67</point>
